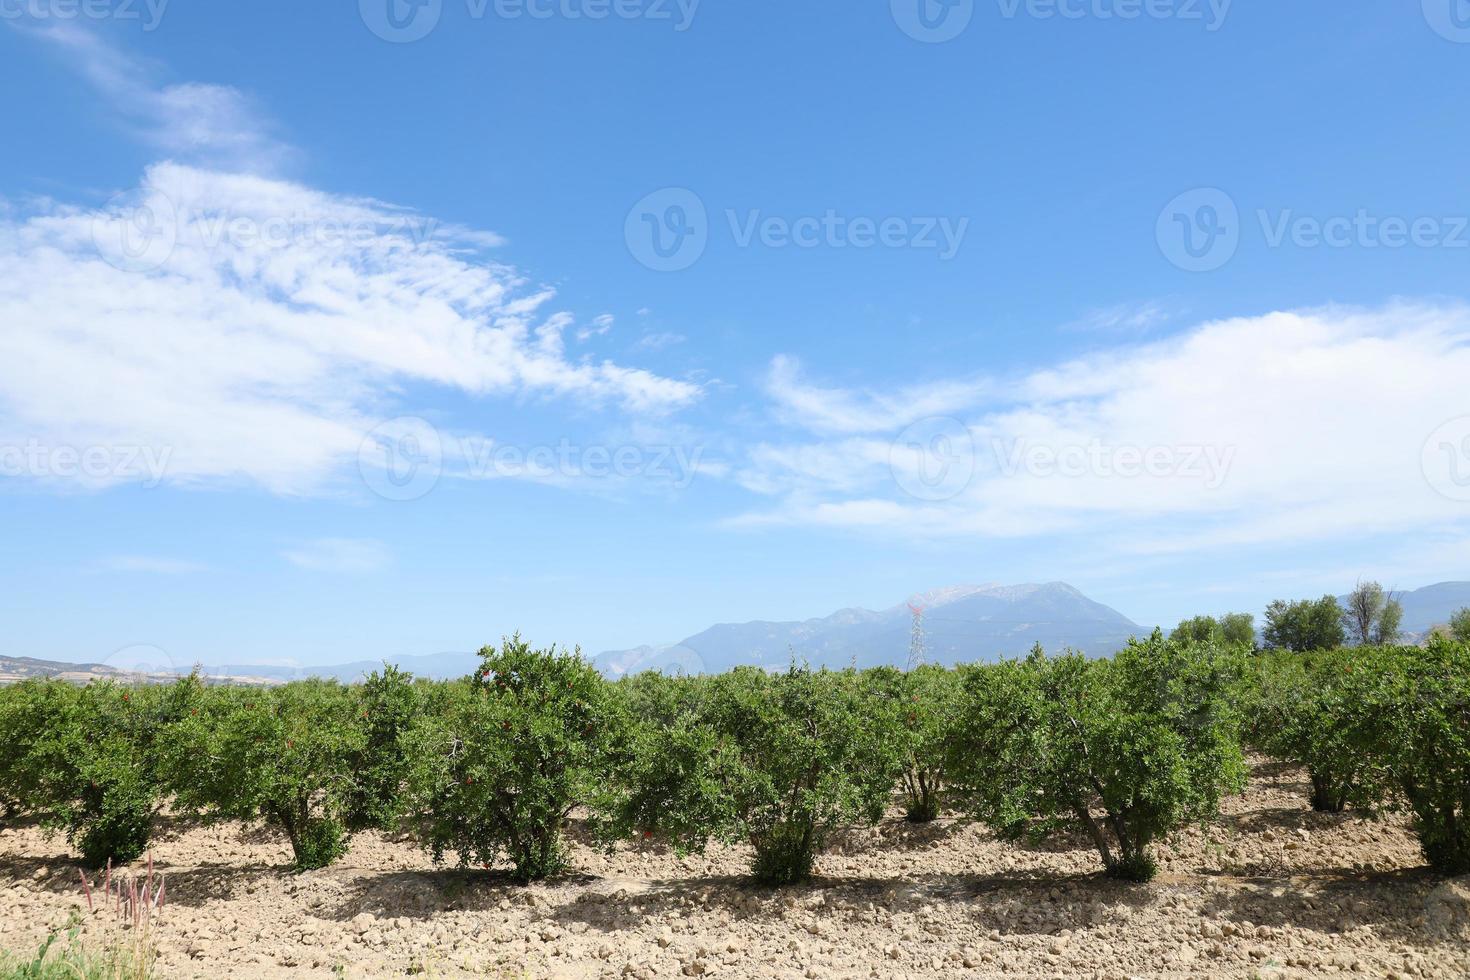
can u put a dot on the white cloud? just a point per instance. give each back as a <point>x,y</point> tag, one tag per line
<point>658,341</point>
<point>266,329</point>
<point>601,324</point>
<point>246,328</point>
<point>341,555</point>
<point>839,410</point>
<point>209,125</point>
<point>1265,429</point>
<point>1123,318</point>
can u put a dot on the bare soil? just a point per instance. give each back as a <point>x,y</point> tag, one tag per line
<point>1270,890</point>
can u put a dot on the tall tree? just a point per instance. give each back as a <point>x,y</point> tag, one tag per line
<point>1236,629</point>
<point>1304,625</point>
<point>1460,625</point>
<point>1200,629</point>
<point>1239,629</point>
<point>1372,615</point>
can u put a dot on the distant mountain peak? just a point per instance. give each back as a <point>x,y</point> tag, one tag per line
<point>969,623</point>
<point>935,598</point>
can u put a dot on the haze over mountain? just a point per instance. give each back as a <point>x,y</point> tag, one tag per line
<point>961,623</point>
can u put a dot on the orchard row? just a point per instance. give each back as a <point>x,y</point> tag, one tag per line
<point>1125,750</point>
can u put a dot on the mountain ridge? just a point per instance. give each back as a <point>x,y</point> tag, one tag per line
<point>962,622</point>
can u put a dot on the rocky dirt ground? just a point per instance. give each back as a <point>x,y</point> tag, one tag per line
<point>1271,890</point>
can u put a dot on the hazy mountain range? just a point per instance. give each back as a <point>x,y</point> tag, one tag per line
<point>961,623</point>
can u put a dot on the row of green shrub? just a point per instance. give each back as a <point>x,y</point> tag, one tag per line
<point>1123,751</point>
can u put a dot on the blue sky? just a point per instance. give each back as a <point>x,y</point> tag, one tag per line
<point>373,352</point>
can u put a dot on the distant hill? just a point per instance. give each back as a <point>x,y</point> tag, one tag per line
<point>1433,605</point>
<point>13,670</point>
<point>961,623</point>
<point>439,666</point>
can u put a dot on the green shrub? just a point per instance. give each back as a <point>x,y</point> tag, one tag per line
<point>1460,625</point>
<point>777,761</point>
<point>284,754</point>
<point>1235,629</point>
<point>32,758</point>
<point>1304,625</point>
<point>531,736</point>
<point>1416,702</point>
<point>87,760</point>
<point>1308,711</point>
<point>658,698</point>
<point>923,703</point>
<point>388,704</point>
<point>1126,750</point>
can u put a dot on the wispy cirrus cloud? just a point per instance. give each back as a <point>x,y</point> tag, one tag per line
<point>256,328</point>
<point>204,124</point>
<point>1124,318</point>
<point>804,403</point>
